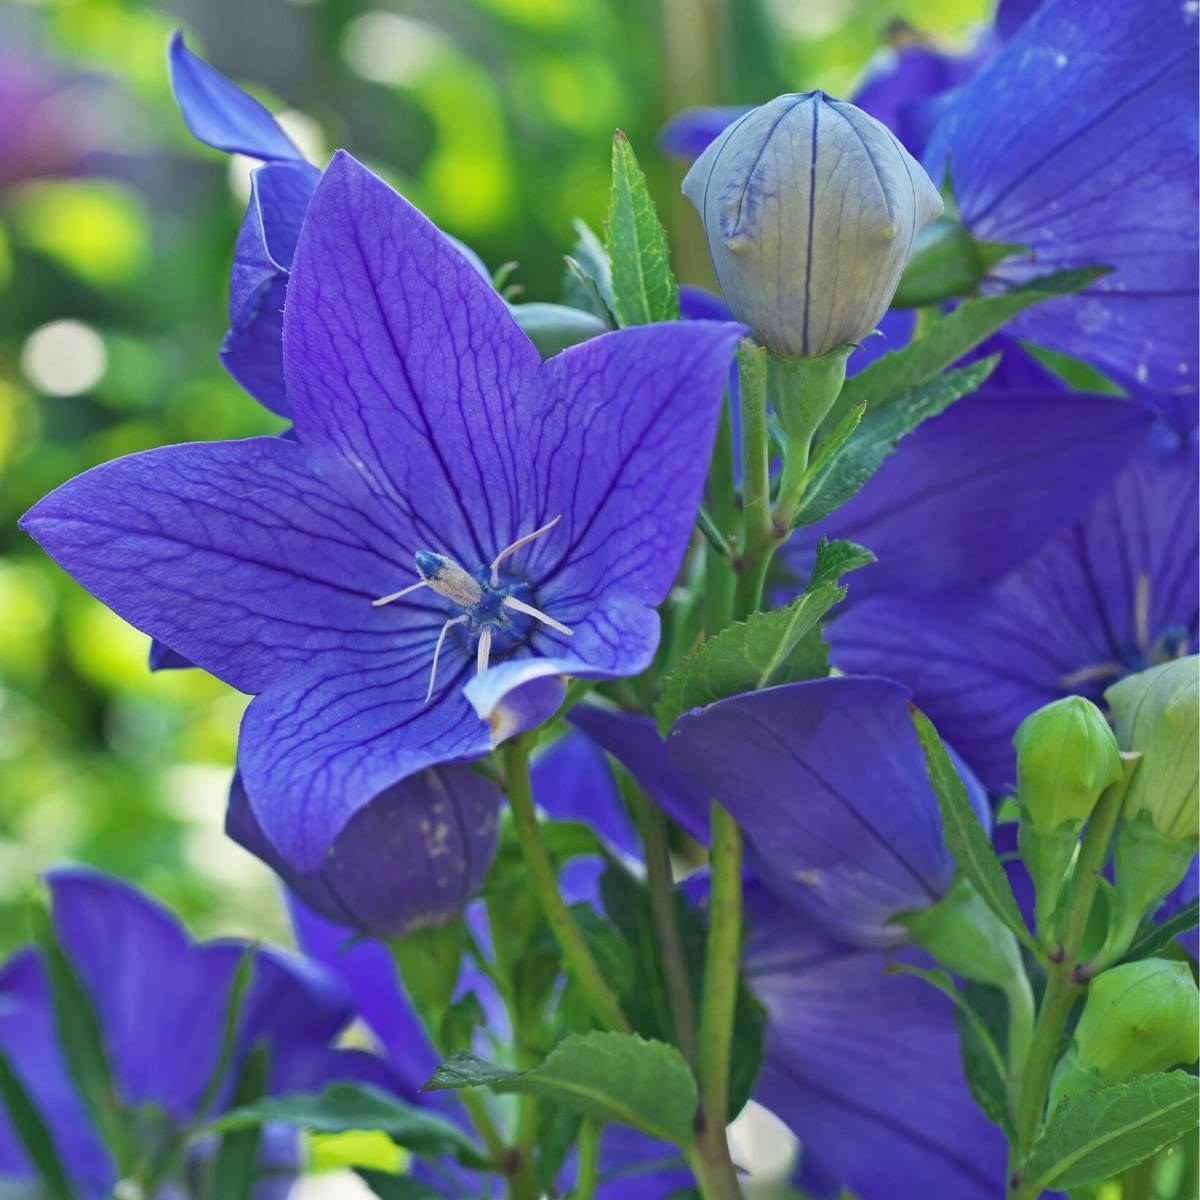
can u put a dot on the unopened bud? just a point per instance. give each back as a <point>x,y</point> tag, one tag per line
<point>810,208</point>
<point>1139,1017</point>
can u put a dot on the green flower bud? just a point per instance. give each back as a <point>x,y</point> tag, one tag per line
<point>1139,1017</point>
<point>1066,757</point>
<point>1157,712</point>
<point>810,208</point>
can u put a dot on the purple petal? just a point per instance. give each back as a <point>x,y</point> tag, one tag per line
<point>635,744</point>
<point>828,781</point>
<point>29,1041</point>
<point>1079,140</point>
<point>411,857</point>
<point>1185,894</point>
<point>1111,594</point>
<point>974,492</point>
<point>219,113</point>
<point>253,348</point>
<point>162,1000</point>
<point>688,133</point>
<point>864,1067</point>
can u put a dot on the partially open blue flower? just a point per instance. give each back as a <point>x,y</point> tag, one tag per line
<point>162,1003</point>
<point>450,504</point>
<point>1079,141</point>
<point>1112,594</point>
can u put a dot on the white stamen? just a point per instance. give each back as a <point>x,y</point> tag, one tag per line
<point>438,649</point>
<point>1102,670</point>
<point>517,545</point>
<point>412,587</point>
<point>536,614</point>
<point>484,653</point>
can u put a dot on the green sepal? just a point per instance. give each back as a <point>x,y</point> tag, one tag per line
<point>429,961</point>
<point>33,1133</point>
<point>236,1168</point>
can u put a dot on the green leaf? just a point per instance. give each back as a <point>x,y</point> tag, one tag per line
<point>397,1187</point>
<point>81,1040</point>
<point>781,646</point>
<point>237,1160</point>
<point>239,985</point>
<point>429,960</point>
<point>838,477</point>
<point>965,837</point>
<point>953,336</point>
<point>616,1077</point>
<point>342,1107</point>
<point>605,941</point>
<point>644,289</point>
<point>1099,1134</point>
<point>1154,939</point>
<point>836,558</point>
<point>588,284</point>
<point>34,1133</point>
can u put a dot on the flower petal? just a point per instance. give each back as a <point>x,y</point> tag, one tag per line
<point>1070,621</point>
<point>688,133</point>
<point>1079,140</point>
<point>219,113</point>
<point>864,1066</point>
<point>411,857</point>
<point>828,781</point>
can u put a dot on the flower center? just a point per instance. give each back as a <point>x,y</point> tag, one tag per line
<point>491,606</point>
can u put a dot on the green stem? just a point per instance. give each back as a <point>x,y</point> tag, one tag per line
<point>1062,988</point>
<point>758,533</point>
<point>579,958</point>
<point>588,1171</point>
<point>660,881</point>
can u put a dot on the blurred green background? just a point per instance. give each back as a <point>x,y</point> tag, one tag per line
<point>116,230</point>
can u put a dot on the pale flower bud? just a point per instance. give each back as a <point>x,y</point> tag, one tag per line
<point>810,208</point>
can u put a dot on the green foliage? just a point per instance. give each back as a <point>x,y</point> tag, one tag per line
<point>236,1167</point>
<point>1101,1133</point>
<point>429,960</point>
<point>965,837</point>
<point>615,1077</point>
<point>33,1133</point>
<point>588,284</point>
<point>783,645</point>
<point>397,1187</point>
<point>342,1107</point>
<point>876,433</point>
<point>644,289</point>
<point>1154,939</point>
<point>239,985</point>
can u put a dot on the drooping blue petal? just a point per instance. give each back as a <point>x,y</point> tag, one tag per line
<point>972,493</point>
<point>30,1043</point>
<point>688,133</point>
<point>219,113</point>
<point>412,857</point>
<point>1079,140</point>
<point>828,781</point>
<point>252,350</point>
<point>162,1000</point>
<point>864,1067</point>
<point>1113,593</point>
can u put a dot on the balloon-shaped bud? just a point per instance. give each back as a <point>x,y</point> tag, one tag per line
<point>810,208</point>
<point>1157,712</point>
<point>1138,1018</point>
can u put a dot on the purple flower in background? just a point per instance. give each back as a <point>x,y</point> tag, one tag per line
<point>411,857</point>
<point>546,508</point>
<point>1079,140</point>
<point>162,1003</point>
<point>1112,594</point>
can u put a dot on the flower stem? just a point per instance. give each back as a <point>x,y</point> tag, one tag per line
<point>758,533</point>
<point>1062,989</point>
<point>588,1170</point>
<point>579,958</point>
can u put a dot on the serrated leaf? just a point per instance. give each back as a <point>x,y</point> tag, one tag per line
<point>1099,1134</point>
<point>768,648</point>
<point>615,1077</point>
<point>345,1106</point>
<point>644,288</point>
<point>1156,938</point>
<point>588,284</point>
<point>33,1132</point>
<point>956,334</point>
<point>965,836</point>
<point>842,475</point>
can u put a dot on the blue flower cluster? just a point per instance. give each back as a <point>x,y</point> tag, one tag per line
<point>454,540</point>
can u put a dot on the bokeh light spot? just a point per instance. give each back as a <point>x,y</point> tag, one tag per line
<point>64,358</point>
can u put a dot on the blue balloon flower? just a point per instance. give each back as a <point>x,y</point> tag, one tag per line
<point>1079,140</point>
<point>162,1003</point>
<point>546,508</point>
<point>1113,593</point>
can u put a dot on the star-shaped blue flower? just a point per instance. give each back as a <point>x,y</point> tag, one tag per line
<point>450,502</point>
